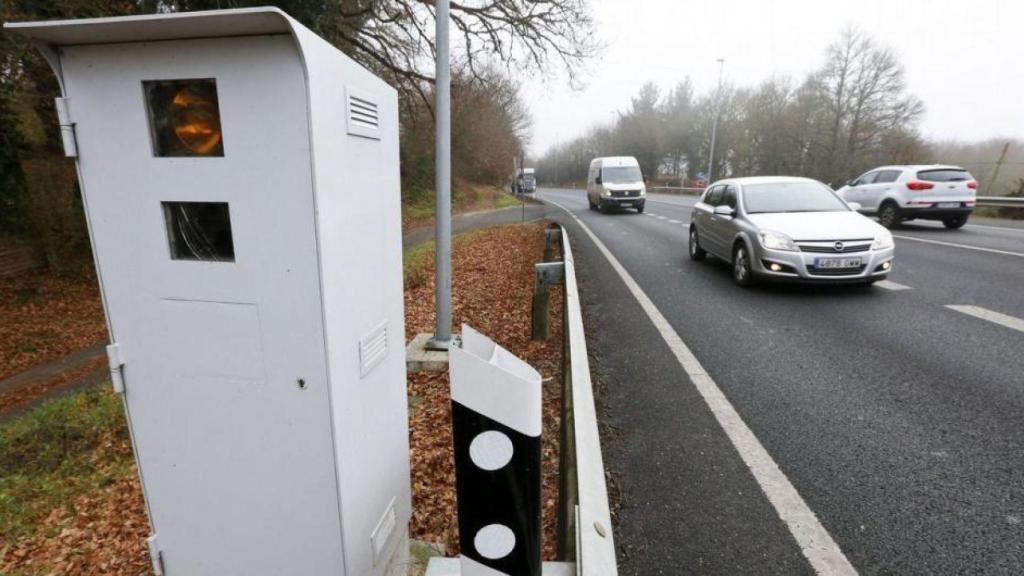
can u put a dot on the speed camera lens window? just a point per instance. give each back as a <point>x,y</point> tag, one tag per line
<point>199,231</point>
<point>184,117</point>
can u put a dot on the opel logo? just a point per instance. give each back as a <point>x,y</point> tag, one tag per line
<point>838,246</point>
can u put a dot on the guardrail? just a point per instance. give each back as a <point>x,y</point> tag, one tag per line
<point>584,523</point>
<point>1000,201</point>
<point>676,190</point>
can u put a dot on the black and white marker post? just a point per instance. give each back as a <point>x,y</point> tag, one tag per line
<point>496,425</point>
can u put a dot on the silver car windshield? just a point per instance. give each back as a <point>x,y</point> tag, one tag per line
<point>620,175</point>
<point>790,197</point>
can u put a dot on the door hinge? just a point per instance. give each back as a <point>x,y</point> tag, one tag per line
<point>155,555</point>
<point>116,367</point>
<point>67,128</point>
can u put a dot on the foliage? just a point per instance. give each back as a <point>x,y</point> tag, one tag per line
<point>850,114</point>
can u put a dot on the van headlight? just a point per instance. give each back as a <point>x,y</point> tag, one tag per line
<point>777,241</point>
<point>882,241</point>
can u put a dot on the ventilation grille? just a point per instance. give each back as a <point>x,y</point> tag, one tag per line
<point>373,348</point>
<point>363,115</point>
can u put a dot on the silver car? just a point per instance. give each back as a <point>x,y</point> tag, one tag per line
<point>784,228</point>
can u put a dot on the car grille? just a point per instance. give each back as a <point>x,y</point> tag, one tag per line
<point>835,271</point>
<point>625,193</point>
<point>830,248</point>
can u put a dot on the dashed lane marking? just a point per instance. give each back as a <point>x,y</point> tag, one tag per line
<point>890,285</point>
<point>816,544</point>
<point>990,315</point>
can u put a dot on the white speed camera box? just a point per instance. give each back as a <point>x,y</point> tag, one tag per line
<point>241,183</point>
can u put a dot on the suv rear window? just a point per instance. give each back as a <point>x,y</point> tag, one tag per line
<point>944,175</point>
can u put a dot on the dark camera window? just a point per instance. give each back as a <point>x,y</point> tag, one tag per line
<point>199,231</point>
<point>184,117</point>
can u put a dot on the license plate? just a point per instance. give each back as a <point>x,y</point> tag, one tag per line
<point>948,204</point>
<point>833,263</point>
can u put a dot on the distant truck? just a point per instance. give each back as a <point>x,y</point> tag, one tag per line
<point>525,182</point>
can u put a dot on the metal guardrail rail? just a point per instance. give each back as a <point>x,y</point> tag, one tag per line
<point>1000,201</point>
<point>992,201</point>
<point>585,529</point>
<point>677,190</point>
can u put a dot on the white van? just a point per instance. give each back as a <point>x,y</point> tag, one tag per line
<point>615,182</point>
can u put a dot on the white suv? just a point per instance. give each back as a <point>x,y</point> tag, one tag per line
<point>899,193</point>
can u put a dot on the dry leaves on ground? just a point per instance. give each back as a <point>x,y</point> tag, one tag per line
<point>492,285</point>
<point>46,317</point>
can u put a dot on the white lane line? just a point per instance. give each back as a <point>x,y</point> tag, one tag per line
<point>890,285</point>
<point>990,315</point>
<point>964,246</point>
<point>815,542</point>
<point>661,218</point>
<point>674,222</point>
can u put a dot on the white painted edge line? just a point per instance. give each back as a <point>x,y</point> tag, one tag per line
<point>964,246</point>
<point>815,542</point>
<point>990,315</point>
<point>1004,228</point>
<point>890,285</point>
<point>674,222</point>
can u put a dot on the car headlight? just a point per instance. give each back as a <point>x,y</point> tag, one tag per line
<point>606,192</point>
<point>882,241</point>
<point>777,241</point>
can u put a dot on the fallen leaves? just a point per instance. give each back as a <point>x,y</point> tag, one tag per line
<point>492,286</point>
<point>44,317</point>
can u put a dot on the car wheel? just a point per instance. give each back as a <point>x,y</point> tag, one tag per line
<point>640,208</point>
<point>590,204</point>
<point>742,273</point>
<point>696,252</point>
<point>955,222</point>
<point>889,215</point>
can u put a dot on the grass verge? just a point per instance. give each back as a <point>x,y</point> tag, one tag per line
<point>50,455</point>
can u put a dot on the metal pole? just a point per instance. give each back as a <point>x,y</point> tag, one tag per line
<point>714,122</point>
<point>443,184</point>
<point>995,172</point>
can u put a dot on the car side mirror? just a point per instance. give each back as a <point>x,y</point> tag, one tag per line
<point>597,180</point>
<point>851,183</point>
<point>645,179</point>
<point>725,210</point>
<point>855,206</point>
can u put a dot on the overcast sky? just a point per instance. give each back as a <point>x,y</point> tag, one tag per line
<point>964,59</point>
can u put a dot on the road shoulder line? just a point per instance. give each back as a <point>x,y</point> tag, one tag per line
<point>816,544</point>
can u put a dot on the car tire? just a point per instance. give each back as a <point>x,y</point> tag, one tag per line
<point>955,223</point>
<point>696,252</point>
<point>742,271</point>
<point>640,208</point>
<point>590,204</point>
<point>889,215</point>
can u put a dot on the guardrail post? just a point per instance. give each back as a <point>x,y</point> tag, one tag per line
<point>552,236</point>
<point>496,428</point>
<point>544,275</point>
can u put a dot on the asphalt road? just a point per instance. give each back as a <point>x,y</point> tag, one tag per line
<point>898,420</point>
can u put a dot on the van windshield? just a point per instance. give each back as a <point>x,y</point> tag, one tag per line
<point>620,175</point>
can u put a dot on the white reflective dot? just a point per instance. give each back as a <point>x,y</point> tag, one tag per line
<point>494,541</point>
<point>490,450</point>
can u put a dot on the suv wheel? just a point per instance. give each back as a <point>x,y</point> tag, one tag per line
<point>889,215</point>
<point>741,270</point>
<point>955,222</point>
<point>696,252</point>
<point>640,207</point>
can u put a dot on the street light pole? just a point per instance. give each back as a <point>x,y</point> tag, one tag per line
<point>714,122</point>
<point>443,185</point>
